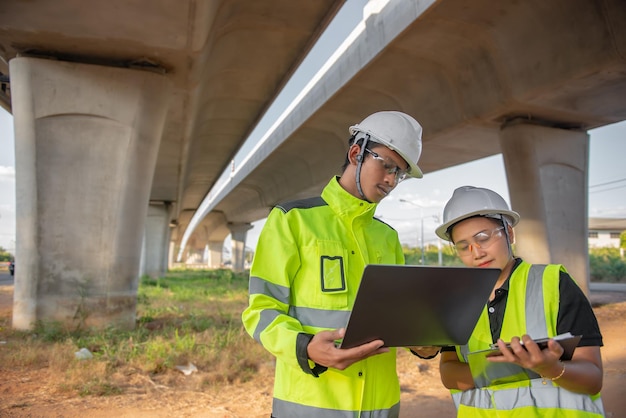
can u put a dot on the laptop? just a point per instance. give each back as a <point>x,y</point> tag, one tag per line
<point>418,305</point>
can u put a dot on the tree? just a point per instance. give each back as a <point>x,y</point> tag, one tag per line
<point>5,255</point>
<point>413,255</point>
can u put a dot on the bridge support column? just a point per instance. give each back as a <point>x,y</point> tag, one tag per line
<point>156,241</point>
<point>547,173</point>
<point>238,234</point>
<point>171,259</point>
<point>215,254</point>
<point>196,250</point>
<point>86,149</point>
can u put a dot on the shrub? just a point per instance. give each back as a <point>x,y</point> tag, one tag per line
<point>606,265</point>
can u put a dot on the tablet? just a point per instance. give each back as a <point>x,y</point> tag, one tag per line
<point>486,373</point>
<point>568,341</point>
<point>418,305</point>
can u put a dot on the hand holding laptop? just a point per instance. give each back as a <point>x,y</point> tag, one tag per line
<point>323,351</point>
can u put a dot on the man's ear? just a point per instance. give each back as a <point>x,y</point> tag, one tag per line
<point>354,154</point>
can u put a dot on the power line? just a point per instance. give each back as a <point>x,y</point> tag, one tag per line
<point>608,182</point>
<point>606,190</point>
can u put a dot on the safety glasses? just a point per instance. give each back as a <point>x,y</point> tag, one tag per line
<point>482,240</point>
<point>389,166</point>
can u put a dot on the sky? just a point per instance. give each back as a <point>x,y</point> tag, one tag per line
<point>607,188</point>
<point>607,168</point>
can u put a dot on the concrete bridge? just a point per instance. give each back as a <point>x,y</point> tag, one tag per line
<point>127,113</point>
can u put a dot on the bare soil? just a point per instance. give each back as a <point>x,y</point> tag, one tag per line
<point>35,393</point>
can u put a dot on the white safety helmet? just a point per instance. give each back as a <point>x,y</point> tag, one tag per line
<point>469,201</point>
<point>397,131</point>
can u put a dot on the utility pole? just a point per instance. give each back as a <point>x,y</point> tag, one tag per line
<point>438,220</point>
<point>421,226</point>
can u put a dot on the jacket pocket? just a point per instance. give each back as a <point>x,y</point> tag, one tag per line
<point>332,286</point>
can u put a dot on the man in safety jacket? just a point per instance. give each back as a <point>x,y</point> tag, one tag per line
<point>531,301</point>
<point>307,269</point>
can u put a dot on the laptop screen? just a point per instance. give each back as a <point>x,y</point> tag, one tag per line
<point>418,305</point>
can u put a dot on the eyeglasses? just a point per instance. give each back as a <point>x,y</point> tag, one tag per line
<point>482,240</point>
<point>389,166</point>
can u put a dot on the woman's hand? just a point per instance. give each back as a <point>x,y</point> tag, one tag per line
<point>527,354</point>
<point>582,374</point>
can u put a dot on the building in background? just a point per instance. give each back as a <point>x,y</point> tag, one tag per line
<point>605,232</point>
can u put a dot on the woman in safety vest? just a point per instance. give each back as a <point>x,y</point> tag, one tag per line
<point>528,302</point>
<point>306,271</point>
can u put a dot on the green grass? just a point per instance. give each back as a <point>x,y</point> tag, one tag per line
<point>185,317</point>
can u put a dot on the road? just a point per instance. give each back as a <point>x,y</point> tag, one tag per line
<point>601,293</point>
<point>6,279</point>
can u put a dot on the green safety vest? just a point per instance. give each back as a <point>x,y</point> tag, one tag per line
<point>532,308</point>
<point>306,271</point>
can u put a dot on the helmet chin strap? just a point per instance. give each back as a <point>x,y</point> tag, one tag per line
<point>359,163</point>
<point>509,244</point>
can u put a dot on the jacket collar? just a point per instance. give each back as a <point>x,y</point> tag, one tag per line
<point>344,204</point>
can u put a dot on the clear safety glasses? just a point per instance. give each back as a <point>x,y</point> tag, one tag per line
<point>389,166</point>
<point>482,240</point>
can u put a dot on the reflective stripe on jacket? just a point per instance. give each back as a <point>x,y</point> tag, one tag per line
<point>532,308</point>
<point>306,271</point>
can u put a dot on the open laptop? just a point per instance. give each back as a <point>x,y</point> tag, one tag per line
<point>418,305</point>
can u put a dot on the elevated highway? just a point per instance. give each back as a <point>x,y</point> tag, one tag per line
<point>516,78</point>
<point>122,103</point>
<point>525,79</point>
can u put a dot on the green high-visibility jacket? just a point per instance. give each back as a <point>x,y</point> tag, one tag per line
<point>532,308</point>
<point>304,277</point>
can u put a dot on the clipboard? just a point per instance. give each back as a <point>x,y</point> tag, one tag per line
<point>418,305</point>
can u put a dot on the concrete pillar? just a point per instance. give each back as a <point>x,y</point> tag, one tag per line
<point>142,259</point>
<point>196,248</point>
<point>156,240</point>
<point>171,259</point>
<point>86,145</point>
<point>175,235</point>
<point>215,254</point>
<point>238,241</point>
<point>547,173</point>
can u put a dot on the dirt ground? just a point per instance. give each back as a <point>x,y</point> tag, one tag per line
<point>31,393</point>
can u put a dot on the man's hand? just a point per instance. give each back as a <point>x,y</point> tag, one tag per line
<point>323,351</point>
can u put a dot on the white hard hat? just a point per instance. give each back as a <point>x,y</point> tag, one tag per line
<point>469,201</point>
<point>396,130</point>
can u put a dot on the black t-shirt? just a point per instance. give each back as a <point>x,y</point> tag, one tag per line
<point>575,312</point>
